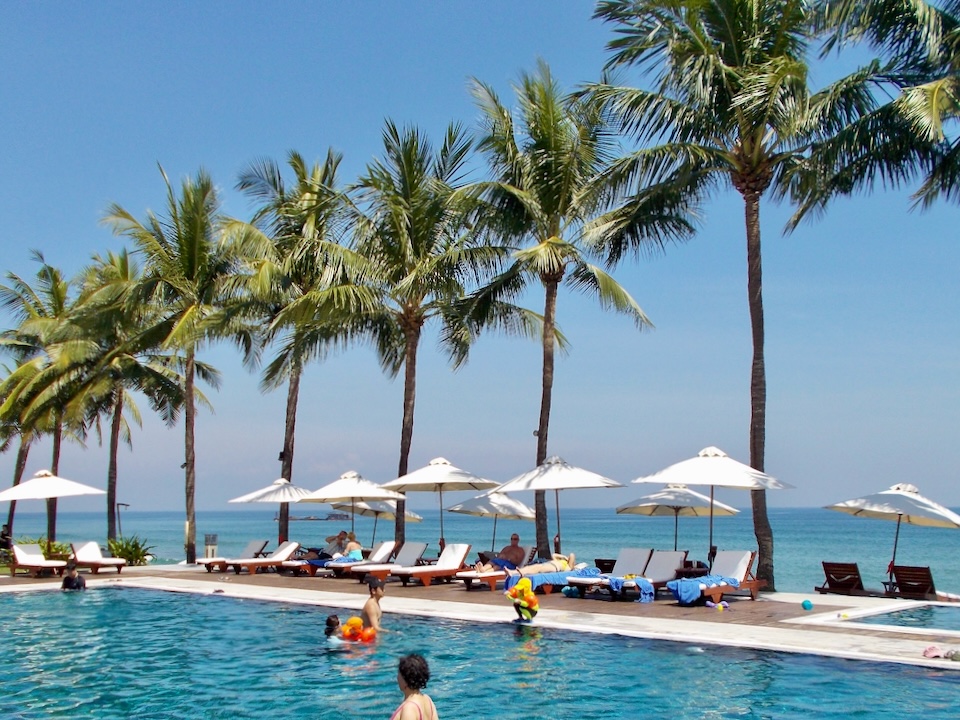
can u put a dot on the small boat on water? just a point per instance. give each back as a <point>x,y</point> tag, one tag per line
<point>329,516</point>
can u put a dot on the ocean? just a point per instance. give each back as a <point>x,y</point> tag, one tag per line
<point>803,537</point>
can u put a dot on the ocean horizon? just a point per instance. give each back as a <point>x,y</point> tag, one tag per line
<point>803,537</point>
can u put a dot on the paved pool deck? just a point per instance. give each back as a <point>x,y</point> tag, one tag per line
<point>775,621</point>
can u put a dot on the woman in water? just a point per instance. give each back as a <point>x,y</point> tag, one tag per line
<point>412,677</point>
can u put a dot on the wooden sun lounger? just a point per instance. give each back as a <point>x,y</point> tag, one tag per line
<point>492,577</point>
<point>408,555</point>
<point>630,561</point>
<point>254,549</point>
<point>736,564</point>
<point>89,556</point>
<point>844,579</point>
<point>274,560</point>
<point>449,563</point>
<point>914,583</point>
<point>31,558</point>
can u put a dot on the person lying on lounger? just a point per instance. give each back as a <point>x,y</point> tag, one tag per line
<point>559,563</point>
<point>509,558</point>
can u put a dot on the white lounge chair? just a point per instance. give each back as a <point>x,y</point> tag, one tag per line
<point>89,556</point>
<point>449,563</point>
<point>661,569</point>
<point>274,560</point>
<point>492,577</point>
<point>254,549</point>
<point>409,554</point>
<point>736,564</point>
<point>30,557</point>
<point>379,555</point>
<point>630,561</point>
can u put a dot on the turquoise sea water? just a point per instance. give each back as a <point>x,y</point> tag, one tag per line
<point>126,653</point>
<point>803,537</point>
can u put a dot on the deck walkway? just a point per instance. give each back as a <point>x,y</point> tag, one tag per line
<point>776,621</point>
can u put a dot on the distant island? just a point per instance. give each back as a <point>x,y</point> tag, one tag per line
<point>329,516</point>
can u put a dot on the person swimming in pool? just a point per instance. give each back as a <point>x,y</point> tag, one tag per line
<point>559,563</point>
<point>413,675</point>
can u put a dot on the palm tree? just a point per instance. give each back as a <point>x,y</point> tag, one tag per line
<point>422,257</point>
<point>186,269</point>
<point>730,104</point>
<point>124,357</point>
<point>545,191</point>
<point>45,343</point>
<point>909,136</point>
<point>295,283</point>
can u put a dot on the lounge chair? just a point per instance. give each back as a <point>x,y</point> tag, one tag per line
<point>254,549</point>
<point>630,561</point>
<point>30,557</point>
<point>449,563</point>
<point>408,555</point>
<point>274,560</point>
<point>378,555</point>
<point>492,577</point>
<point>732,571</point>
<point>89,556</point>
<point>916,583</point>
<point>661,569</point>
<point>844,579</point>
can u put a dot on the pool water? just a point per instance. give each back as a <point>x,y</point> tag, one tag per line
<point>124,653</point>
<point>927,617</point>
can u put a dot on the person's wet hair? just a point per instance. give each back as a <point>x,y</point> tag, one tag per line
<point>415,671</point>
<point>333,622</point>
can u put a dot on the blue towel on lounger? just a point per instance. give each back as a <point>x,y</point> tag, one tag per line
<point>687,590</point>
<point>554,578</point>
<point>615,583</point>
<point>645,589</point>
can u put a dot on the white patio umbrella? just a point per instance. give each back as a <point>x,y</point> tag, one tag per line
<point>439,475</point>
<point>280,491</point>
<point>556,474</point>
<point>496,505</point>
<point>349,489</point>
<point>676,500</point>
<point>387,509</point>
<point>903,503</point>
<point>44,485</point>
<point>713,467</point>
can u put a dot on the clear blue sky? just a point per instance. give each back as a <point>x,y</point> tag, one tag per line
<point>862,306</point>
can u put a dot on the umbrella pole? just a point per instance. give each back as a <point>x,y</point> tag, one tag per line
<point>493,542</point>
<point>710,554</point>
<point>676,525</point>
<point>376,516</point>
<point>442,541</point>
<point>353,512</point>
<point>556,544</point>
<point>896,539</point>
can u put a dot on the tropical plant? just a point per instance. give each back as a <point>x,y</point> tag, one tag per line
<point>295,284</point>
<point>731,104</point>
<point>545,166</point>
<point>132,549</point>
<point>422,257</point>
<point>186,269</point>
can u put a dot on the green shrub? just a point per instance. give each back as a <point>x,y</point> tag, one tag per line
<point>132,549</point>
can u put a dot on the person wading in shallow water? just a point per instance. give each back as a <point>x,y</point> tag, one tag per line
<point>412,677</point>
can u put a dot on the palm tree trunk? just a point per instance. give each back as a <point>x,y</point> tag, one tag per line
<point>22,453</point>
<point>289,431</point>
<point>115,425</point>
<point>190,534</point>
<point>551,284</point>
<point>758,389</point>
<point>55,469</point>
<point>412,332</point>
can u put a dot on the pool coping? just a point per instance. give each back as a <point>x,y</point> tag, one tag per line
<point>823,633</point>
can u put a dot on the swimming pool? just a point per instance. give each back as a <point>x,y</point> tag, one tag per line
<point>924,616</point>
<point>126,652</point>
